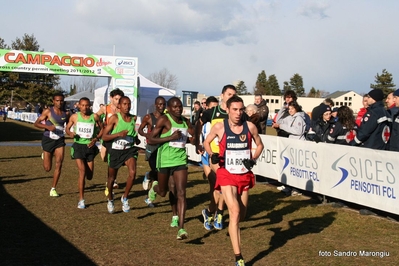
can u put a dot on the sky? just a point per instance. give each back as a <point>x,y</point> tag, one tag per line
<point>333,44</point>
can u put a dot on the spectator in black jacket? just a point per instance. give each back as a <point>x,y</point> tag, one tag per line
<point>394,139</point>
<point>374,130</point>
<point>263,111</point>
<point>322,125</point>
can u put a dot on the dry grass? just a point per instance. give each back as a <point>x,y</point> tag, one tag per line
<point>279,230</point>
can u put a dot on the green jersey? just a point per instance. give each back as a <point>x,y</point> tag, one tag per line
<point>84,129</point>
<point>123,143</point>
<point>173,153</point>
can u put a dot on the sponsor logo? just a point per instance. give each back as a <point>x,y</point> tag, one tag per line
<point>125,62</point>
<point>102,63</point>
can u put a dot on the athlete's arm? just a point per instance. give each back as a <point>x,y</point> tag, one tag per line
<point>216,131</point>
<point>113,121</point>
<point>163,125</point>
<point>43,117</point>
<point>71,122</point>
<point>258,141</point>
<point>145,123</point>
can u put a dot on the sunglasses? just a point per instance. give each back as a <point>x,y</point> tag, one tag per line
<point>203,103</point>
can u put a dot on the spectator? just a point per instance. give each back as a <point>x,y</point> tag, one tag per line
<point>374,129</point>
<point>203,104</point>
<point>294,124</point>
<point>322,125</point>
<point>28,108</point>
<point>253,114</point>
<point>362,110</point>
<point>197,112</point>
<point>263,111</point>
<point>390,101</point>
<point>344,130</point>
<point>394,139</point>
<point>334,114</point>
<point>316,111</point>
<point>289,96</point>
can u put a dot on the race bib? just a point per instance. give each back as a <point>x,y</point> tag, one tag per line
<point>181,142</point>
<point>233,161</point>
<point>85,130</point>
<point>122,143</point>
<point>57,133</point>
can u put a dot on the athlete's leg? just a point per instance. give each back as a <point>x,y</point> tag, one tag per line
<point>231,198</point>
<point>89,170</point>
<point>212,181</point>
<point>131,166</point>
<point>111,178</point>
<point>162,187</point>
<point>103,153</point>
<point>59,158</point>
<point>172,195</point>
<point>47,161</point>
<point>180,178</point>
<point>81,179</point>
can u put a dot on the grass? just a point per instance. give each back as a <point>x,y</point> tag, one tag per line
<point>279,230</point>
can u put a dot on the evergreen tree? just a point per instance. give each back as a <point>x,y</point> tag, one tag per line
<point>29,87</point>
<point>242,88</point>
<point>273,85</point>
<point>314,93</point>
<point>261,86</point>
<point>296,83</point>
<point>384,82</point>
<point>286,87</point>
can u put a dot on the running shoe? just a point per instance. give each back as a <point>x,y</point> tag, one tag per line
<point>207,220</point>
<point>125,204</point>
<point>240,262</point>
<point>106,192</point>
<point>110,206</point>
<point>182,234</point>
<point>175,221</point>
<point>280,188</point>
<point>115,185</point>
<point>146,181</point>
<point>53,193</point>
<point>81,204</point>
<point>218,223</point>
<point>152,195</point>
<point>149,203</point>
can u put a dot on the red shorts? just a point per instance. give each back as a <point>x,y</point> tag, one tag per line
<point>243,182</point>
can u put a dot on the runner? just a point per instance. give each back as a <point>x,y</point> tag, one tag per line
<point>84,148</point>
<point>149,121</point>
<point>171,131</point>
<point>234,177</point>
<point>53,120</point>
<point>109,110</point>
<point>120,132</point>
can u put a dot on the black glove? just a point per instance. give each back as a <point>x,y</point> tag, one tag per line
<point>249,163</point>
<point>317,139</point>
<point>215,158</point>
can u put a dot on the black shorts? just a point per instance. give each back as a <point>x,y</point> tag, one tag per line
<point>50,145</point>
<point>81,151</point>
<point>170,170</point>
<point>117,158</point>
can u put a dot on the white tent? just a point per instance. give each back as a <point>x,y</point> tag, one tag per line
<point>148,91</point>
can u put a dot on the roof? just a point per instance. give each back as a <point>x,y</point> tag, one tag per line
<point>76,97</point>
<point>336,94</point>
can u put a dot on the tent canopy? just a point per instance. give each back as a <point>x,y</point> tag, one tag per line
<point>76,97</point>
<point>147,93</point>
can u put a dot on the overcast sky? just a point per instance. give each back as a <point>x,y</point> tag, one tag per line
<point>334,44</point>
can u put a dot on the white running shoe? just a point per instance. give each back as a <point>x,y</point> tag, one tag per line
<point>110,206</point>
<point>81,204</point>
<point>125,204</point>
<point>281,188</point>
<point>146,181</point>
<point>149,203</point>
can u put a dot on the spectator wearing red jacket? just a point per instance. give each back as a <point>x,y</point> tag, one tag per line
<point>362,110</point>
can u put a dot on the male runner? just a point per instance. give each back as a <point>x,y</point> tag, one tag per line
<point>53,120</point>
<point>120,132</point>
<point>234,177</point>
<point>84,148</point>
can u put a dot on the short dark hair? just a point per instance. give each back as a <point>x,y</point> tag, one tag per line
<point>290,93</point>
<point>115,92</point>
<point>296,106</point>
<point>329,101</point>
<point>258,94</point>
<point>57,94</point>
<point>234,99</point>
<point>159,98</point>
<point>211,99</point>
<point>84,99</point>
<point>228,86</point>
<point>123,97</point>
<point>171,100</point>
<point>197,102</point>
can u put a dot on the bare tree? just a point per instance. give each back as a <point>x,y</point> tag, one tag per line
<point>164,78</point>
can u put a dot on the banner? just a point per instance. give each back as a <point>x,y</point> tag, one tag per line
<point>122,70</point>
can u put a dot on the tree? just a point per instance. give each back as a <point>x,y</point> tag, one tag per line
<point>274,88</point>
<point>314,93</point>
<point>296,83</point>
<point>286,87</point>
<point>164,78</point>
<point>242,88</point>
<point>261,86</point>
<point>29,87</point>
<point>384,82</point>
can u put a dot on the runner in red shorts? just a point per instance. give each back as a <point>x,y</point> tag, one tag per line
<point>234,177</point>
